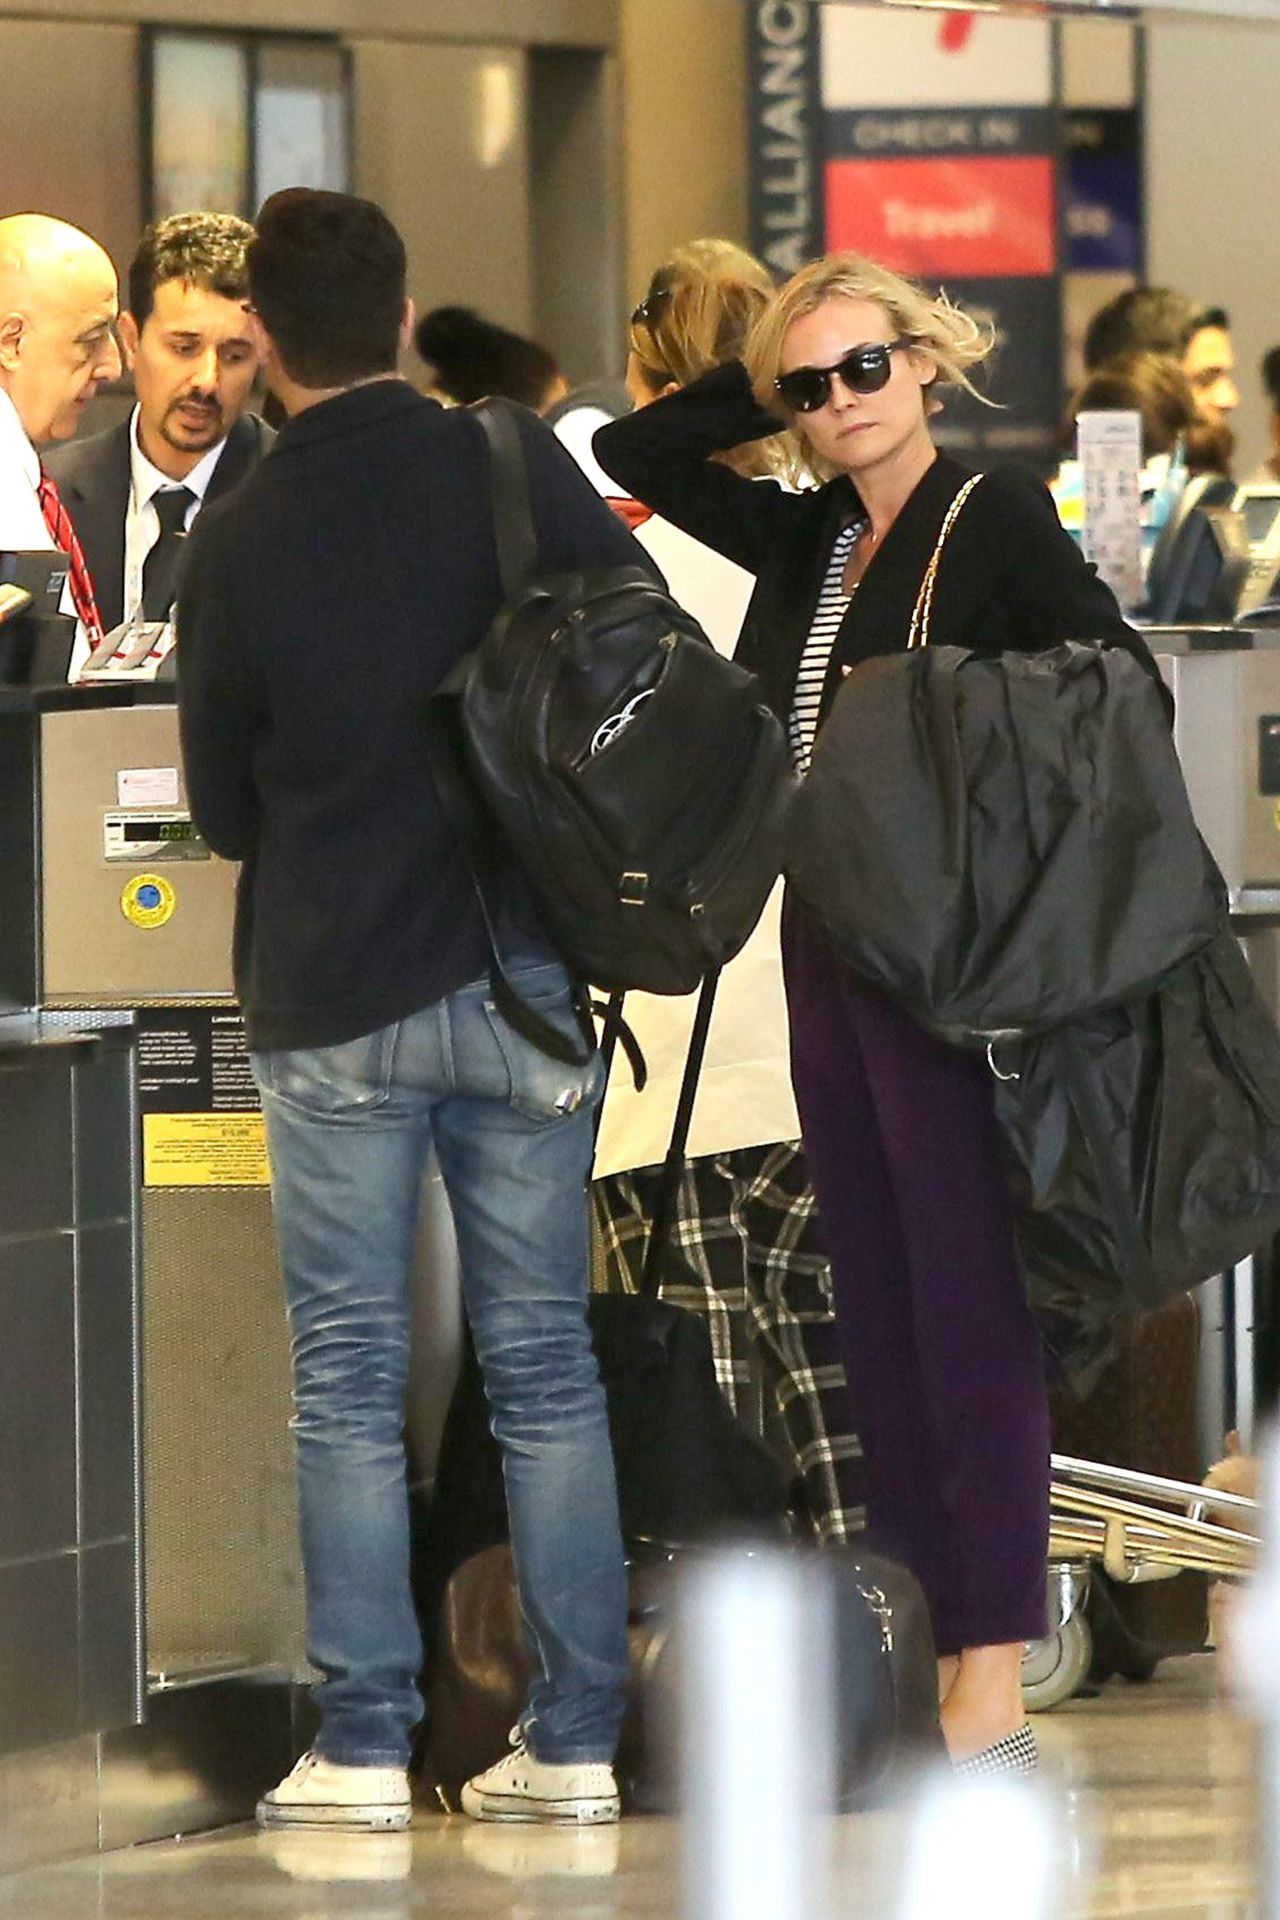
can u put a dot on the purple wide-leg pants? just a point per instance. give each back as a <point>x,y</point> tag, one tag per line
<point>944,1363</point>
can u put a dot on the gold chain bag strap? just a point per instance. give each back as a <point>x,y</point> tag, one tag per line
<point>918,635</point>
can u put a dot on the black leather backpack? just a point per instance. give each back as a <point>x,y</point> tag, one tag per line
<point>632,773</point>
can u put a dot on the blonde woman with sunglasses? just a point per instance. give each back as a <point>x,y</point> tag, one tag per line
<point>944,1362</point>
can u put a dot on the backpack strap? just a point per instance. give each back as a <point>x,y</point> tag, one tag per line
<point>673,1166</point>
<point>517,548</point>
<point>446,758</point>
<point>515,535</point>
<point>517,544</point>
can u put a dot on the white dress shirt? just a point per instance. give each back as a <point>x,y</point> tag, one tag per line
<point>22,526</point>
<point>142,522</point>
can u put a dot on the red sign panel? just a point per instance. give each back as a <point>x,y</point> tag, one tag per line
<point>979,217</point>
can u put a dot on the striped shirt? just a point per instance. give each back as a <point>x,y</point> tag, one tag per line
<point>833,603</point>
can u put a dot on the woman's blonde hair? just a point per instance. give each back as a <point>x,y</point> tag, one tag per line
<point>951,339</point>
<point>701,305</point>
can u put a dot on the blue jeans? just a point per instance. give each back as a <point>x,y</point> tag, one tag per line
<point>349,1130</point>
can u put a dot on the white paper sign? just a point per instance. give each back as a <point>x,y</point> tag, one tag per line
<point>1110,449</point>
<point>931,57</point>
<point>147,787</point>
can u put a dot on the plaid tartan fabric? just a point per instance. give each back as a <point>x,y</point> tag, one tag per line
<point>746,1253</point>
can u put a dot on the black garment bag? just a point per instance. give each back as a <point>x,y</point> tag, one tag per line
<point>1001,844</point>
<point>1143,1146</point>
<point>1005,846</point>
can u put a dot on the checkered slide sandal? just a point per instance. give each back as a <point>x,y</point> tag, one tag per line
<point>1016,1754</point>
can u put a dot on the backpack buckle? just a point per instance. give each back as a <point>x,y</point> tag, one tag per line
<point>633,890</point>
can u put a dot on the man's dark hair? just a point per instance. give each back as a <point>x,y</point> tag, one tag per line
<point>200,249</point>
<point>1144,319</point>
<point>327,276</point>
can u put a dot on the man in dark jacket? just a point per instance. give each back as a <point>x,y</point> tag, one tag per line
<point>189,340</point>
<point>320,607</point>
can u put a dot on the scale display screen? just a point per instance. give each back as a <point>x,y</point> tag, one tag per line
<point>167,832</point>
<point>152,836</point>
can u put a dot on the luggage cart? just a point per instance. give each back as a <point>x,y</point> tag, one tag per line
<point>1136,1527</point>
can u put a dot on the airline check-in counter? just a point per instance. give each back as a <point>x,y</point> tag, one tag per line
<point>1226,685</point>
<point>151,1674</point>
<point>150,1588</point>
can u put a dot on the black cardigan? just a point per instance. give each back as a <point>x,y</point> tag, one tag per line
<point>1009,579</point>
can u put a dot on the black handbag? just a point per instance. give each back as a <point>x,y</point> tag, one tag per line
<point>688,1470</point>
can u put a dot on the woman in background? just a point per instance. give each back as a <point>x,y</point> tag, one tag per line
<point>476,360</point>
<point>747,1251</point>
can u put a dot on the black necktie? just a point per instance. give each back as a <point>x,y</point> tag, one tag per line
<point>160,570</point>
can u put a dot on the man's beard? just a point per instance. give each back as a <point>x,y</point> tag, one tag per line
<point>212,413</point>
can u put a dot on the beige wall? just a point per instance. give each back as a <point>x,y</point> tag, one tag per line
<point>662,159</point>
<point>685,127</point>
<point>82,167</point>
<point>440,142</point>
<point>535,22</point>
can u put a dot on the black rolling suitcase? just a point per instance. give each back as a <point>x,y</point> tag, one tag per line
<point>1142,1415</point>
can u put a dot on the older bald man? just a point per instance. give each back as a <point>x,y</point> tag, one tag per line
<point>58,304</point>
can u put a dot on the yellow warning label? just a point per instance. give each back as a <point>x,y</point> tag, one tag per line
<point>1277,815</point>
<point>148,900</point>
<point>204,1150</point>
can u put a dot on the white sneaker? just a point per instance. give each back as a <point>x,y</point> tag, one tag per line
<point>526,1852</point>
<point>520,1787</point>
<point>321,1793</point>
<point>334,1853</point>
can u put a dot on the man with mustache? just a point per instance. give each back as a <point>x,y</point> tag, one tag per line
<point>192,345</point>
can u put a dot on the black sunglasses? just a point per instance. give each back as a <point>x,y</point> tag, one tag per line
<point>649,311</point>
<point>862,370</point>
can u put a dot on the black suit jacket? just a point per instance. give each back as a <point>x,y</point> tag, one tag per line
<point>93,476</point>
<point>1010,579</point>
<point>320,606</point>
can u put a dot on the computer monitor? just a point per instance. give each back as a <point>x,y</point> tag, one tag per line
<point>1201,571</point>
<point>1261,509</point>
<point>1202,490</point>
<point>36,643</point>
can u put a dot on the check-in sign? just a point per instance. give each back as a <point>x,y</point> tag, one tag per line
<point>964,215</point>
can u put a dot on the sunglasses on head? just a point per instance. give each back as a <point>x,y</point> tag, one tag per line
<point>648,313</point>
<point>862,370</point>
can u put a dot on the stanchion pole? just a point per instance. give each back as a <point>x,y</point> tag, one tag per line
<point>1253,1662</point>
<point>757,1664</point>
